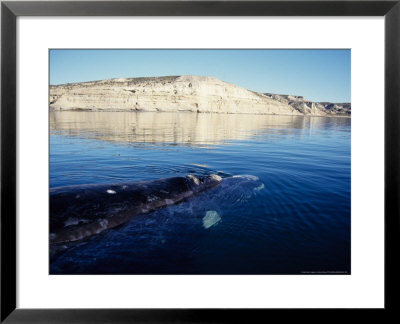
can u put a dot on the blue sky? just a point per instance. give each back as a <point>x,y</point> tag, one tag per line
<point>318,75</point>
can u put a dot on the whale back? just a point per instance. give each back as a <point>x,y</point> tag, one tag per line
<point>80,211</point>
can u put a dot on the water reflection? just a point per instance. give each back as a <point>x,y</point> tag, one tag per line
<point>183,128</point>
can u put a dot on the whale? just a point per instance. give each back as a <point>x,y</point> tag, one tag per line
<point>79,211</point>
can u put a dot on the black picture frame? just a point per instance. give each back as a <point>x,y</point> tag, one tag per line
<point>10,10</point>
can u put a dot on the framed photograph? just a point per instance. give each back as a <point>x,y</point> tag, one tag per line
<point>186,194</point>
<point>190,161</point>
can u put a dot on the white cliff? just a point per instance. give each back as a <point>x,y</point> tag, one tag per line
<point>170,94</point>
<point>307,107</point>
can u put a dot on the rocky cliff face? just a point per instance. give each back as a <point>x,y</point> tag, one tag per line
<point>177,93</point>
<point>308,107</point>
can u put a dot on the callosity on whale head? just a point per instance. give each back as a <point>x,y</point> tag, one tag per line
<point>199,183</point>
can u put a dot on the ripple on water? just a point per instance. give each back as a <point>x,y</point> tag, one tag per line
<point>295,217</point>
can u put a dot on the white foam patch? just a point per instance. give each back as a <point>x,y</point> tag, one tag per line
<point>200,165</point>
<point>246,176</point>
<point>260,187</point>
<point>211,218</point>
<point>111,192</point>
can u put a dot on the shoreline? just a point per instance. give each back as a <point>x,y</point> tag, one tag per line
<point>191,112</point>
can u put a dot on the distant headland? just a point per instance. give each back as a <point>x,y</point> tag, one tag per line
<point>183,93</point>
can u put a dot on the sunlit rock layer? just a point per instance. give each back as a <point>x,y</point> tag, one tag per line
<point>182,93</point>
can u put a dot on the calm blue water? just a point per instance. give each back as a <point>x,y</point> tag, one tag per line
<point>291,217</point>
